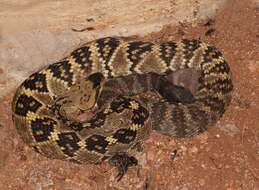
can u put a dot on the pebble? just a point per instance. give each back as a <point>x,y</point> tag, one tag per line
<point>230,129</point>
<point>202,182</point>
<point>183,148</point>
<point>193,150</point>
<point>203,137</point>
<point>253,66</point>
<point>142,158</point>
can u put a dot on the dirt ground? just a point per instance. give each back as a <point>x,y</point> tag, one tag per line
<point>224,158</point>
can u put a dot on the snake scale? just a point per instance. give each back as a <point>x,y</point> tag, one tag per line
<point>43,103</point>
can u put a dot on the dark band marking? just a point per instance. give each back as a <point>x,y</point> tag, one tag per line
<point>97,120</point>
<point>167,52</point>
<point>211,53</point>
<point>215,104</point>
<point>219,68</point>
<point>140,116</point>
<point>25,104</point>
<point>119,104</point>
<point>125,136</point>
<point>42,128</point>
<point>77,126</point>
<point>106,48</point>
<point>220,85</point>
<point>178,116</point>
<point>97,143</point>
<point>200,117</point>
<point>159,110</point>
<point>36,82</point>
<point>189,48</point>
<point>82,57</point>
<point>69,143</point>
<point>135,50</point>
<point>62,71</point>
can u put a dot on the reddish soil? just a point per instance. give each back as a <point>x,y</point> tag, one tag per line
<point>226,157</point>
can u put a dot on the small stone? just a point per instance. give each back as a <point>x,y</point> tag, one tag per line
<point>142,158</point>
<point>193,150</point>
<point>183,148</point>
<point>203,137</point>
<point>230,129</point>
<point>202,182</point>
<point>253,65</point>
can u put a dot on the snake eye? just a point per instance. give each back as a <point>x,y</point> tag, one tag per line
<point>96,79</point>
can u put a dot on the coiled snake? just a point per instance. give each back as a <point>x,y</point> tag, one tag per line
<point>87,79</point>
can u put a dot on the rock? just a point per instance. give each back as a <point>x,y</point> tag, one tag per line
<point>193,150</point>
<point>230,129</point>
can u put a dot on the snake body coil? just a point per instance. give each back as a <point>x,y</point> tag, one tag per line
<point>41,102</point>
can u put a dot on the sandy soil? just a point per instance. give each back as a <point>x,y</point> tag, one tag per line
<point>226,157</point>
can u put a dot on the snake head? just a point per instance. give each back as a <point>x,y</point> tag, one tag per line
<point>91,89</point>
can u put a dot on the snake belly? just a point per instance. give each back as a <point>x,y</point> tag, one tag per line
<point>106,134</point>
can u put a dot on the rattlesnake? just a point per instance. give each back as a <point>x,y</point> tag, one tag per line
<point>42,102</point>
